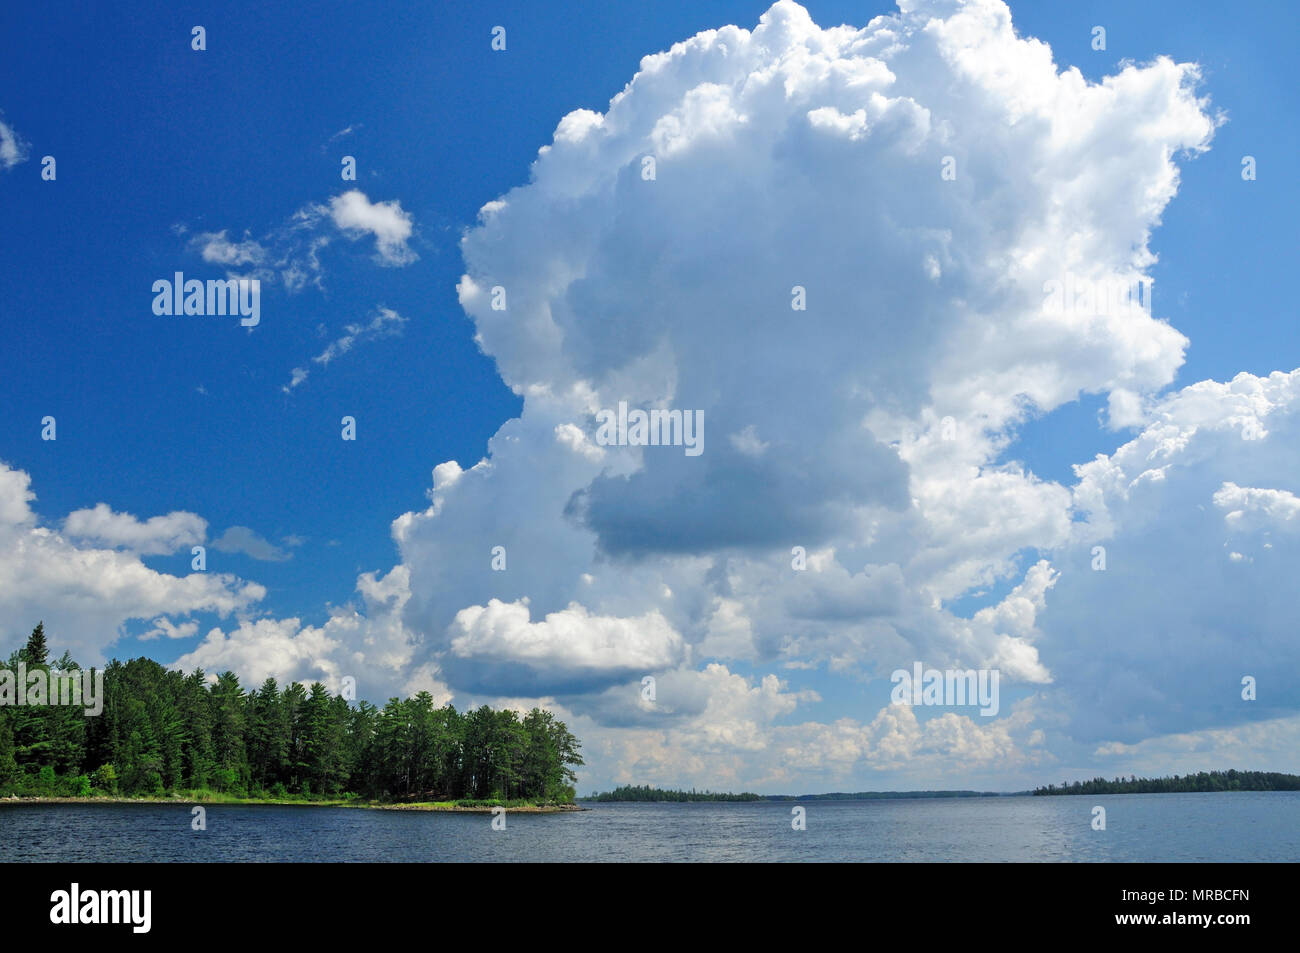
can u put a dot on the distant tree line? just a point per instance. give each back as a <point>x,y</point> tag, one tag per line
<point>883,795</point>
<point>643,792</point>
<point>162,730</point>
<point>632,792</point>
<point>1231,780</point>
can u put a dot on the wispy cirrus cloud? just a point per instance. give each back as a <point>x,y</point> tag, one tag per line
<point>290,254</point>
<point>341,134</point>
<point>383,324</point>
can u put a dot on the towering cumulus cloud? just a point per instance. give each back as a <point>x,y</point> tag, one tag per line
<point>916,182</point>
<point>836,244</point>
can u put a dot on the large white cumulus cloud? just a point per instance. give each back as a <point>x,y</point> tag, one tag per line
<point>785,156</point>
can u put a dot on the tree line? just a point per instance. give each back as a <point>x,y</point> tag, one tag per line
<point>1231,780</point>
<point>883,795</point>
<point>642,792</point>
<point>162,730</point>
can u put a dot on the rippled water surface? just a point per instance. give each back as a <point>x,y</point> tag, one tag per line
<point>1139,827</point>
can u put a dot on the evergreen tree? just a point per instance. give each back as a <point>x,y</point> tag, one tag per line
<point>226,704</point>
<point>268,738</point>
<point>36,651</point>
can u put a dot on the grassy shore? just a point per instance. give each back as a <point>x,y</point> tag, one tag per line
<point>212,797</point>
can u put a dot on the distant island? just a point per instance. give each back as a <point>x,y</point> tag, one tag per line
<point>646,793</point>
<point>642,792</point>
<point>1205,781</point>
<point>888,795</point>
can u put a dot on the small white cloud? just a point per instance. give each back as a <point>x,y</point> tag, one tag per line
<point>162,626</point>
<point>355,215</point>
<point>216,249</point>
<point>747,442</point>
<point>13,149</point>
<point>241,539</point>
<point>341,134</point>
<point>1252,507</point>
<point>155,536</point>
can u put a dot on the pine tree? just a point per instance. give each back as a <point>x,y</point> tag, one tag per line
<point>36,652</point>
<point>226,705</point>
<point>268,741</point>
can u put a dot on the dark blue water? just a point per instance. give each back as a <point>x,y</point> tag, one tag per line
<point>1140,827</point>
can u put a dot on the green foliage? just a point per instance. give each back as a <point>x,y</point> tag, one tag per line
<point>163,731</point>
<point>492,802</point>
<point>105,779</point>
<point>8,766</point>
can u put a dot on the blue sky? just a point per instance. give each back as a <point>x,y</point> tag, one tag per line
<point>157,145</point>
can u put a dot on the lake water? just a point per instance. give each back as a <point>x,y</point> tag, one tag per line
<point>1241,826</point>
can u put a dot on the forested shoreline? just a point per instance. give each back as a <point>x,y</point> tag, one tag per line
<point>1202,782</point>
<point>162,731</point>
<point>645,793</point>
